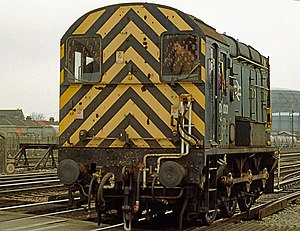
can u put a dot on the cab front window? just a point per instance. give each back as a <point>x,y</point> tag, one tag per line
<point>180,58</point>
<point>83,60</point>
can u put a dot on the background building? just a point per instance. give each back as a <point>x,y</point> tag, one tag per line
<point>16,129</point>
<point>285,117</point>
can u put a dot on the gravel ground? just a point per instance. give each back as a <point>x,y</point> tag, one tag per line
<point>289,216</point>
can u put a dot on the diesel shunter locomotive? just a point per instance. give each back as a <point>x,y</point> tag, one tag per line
<point>158,111</point>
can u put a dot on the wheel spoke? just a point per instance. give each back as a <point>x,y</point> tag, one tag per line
<point>245,203</point>
<point>228,207</point>
<point>209,216</point>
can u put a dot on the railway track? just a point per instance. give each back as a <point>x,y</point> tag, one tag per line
<point>28,175</point>
<point>288,170</point>
<point>19,189</point>
<point>45,221</point>
<point>10,180</point>
<point>256,213</point>
<point>29,222</point>
<point>287,174</point>
<point>28,182</point>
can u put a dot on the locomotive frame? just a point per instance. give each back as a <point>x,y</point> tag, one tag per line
<point>159,111</point>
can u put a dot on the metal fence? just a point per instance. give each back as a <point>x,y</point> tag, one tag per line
<point>2,156</point>
<point>13,136</point>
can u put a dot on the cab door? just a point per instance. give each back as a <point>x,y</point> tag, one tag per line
<point>219,96</point>
<point>214,93</point>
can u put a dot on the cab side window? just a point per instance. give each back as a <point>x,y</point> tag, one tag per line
<point>180,59</point>
<point>83,60</point>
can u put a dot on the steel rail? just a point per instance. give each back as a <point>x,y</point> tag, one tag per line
<point>28,180</point>
<point>29,183</point>
<point>47,214</point>
<point>32,189</point>
<point>255,213</point>
<point>288,168</point>
<point>36,204</point>
<point>27,175</point>
<point>121,224</point>
<point>283,183</point>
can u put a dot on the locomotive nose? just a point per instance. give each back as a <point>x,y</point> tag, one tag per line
<point>171,174</point>
<point>68,171</point>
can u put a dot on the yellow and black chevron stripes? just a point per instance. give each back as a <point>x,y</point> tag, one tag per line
<point>176,19</point>
<point>151,120</point>
<point>122,11</point>
<point>203,46</point>
<point>130,29</point>
<point>92,118</point>
<point>131,96</point>
<point>110,113</point>
<point>131,108</point>
<point>88,22</point>
<point>62,54</point>
<point>113,20</point>
<point>109,102</point>
<point>62,51</point>
<point>83,103</point>
<point>135,138</point>
<point>131,55</point>
<point>61,76</point>
<point>67,96</point>
<point>88,95</point>
<point>203,51</point>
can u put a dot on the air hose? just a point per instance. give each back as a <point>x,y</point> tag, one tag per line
<point>100,197</point>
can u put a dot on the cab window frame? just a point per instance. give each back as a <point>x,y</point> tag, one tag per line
<point>168,56</point>
<point>89,66</point>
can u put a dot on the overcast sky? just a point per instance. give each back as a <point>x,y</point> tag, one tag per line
<point>31,32</point>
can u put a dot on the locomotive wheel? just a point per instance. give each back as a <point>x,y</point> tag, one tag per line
<point>209,217</point>
<point>245,203</point>
<point>228,207</point>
